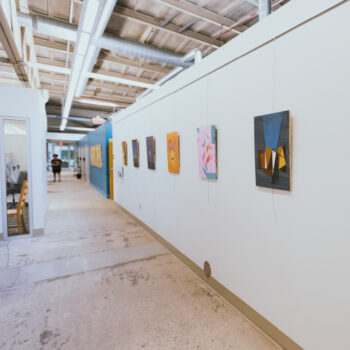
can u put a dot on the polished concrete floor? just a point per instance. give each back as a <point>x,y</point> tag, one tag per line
<point>98,281</point>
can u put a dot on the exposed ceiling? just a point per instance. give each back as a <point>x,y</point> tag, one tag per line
<point>175,25</point>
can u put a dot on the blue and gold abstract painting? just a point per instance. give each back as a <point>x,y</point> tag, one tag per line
<point>151,152</point>
<point>272,150</point>
<point>135,152</point>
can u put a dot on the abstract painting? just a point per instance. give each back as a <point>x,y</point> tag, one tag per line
<point>96,156</point>
<point>272,150</point>
<point>135,152</point>
<point>151,152</point>
<point>172,141</point>
<point>206,142</point>
<point>125,152</point>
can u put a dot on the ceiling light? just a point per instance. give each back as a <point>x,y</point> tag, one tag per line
<point>97,102</point>
<point>122,81</point>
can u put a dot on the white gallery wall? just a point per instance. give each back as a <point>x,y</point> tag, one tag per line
<point>28,104</point>
<point>285,254</point>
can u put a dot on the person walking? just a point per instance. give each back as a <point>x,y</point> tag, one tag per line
<point>56,164</point>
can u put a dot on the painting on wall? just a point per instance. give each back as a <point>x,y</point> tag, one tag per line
<point>96,156</point>
<point>125,152</point>
<point>151,152</point>
<point>206,142</point>
<point>173,152</point>
<point>272,134</point>
<point>135,152</point>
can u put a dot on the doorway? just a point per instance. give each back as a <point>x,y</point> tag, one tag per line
<point>16,189</point>
<point>64,151</point>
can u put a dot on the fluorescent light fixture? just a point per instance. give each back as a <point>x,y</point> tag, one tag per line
<point>94,17</point>
<point>89,16</point>
<point>72,128</point>
<point>97,102</point>
<point>122,81</point>
<point>83,42</point>
<point>90,59</point>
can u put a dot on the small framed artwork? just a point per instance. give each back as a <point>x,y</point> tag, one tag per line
<point>206,143</point>
<point>135,152</point>
<point>172,140</point>
<point>151,152</point>
<point>125,152</point>
<point>272,136</point>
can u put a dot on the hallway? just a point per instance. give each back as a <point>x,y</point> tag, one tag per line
<point>98,281</point>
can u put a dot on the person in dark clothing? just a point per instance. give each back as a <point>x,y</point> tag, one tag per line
<point>56,167</point>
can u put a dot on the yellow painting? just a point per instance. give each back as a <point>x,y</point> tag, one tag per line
<point>173,152</point>
<point>96,156</point>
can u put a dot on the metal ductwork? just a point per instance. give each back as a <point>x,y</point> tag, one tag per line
<point>132,48</point>
<point>194,55</point>
<point>67,31</point>
<point>48,26</point>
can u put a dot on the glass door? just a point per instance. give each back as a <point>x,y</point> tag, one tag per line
<point>16,199</point>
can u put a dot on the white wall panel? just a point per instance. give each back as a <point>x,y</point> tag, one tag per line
<point>24,103</point>
<point>285,254</point>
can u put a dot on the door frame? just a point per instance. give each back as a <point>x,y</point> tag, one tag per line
<point>87,162</point>
<point>111,168</point>
<point>3,198</point>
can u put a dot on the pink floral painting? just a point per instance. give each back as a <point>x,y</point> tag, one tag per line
<point>206,141</point>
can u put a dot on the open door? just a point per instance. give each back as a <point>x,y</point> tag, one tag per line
<point>15,178</point>
<point>111,187</point>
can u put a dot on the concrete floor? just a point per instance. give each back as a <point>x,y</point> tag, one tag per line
<point>98,281</point>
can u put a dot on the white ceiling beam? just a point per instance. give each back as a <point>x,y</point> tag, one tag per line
<point>50,68</point>
<point>28,52</point>
<point>101,75</point>
<point>113,98</point>
<point>60,79</point>
<point>201,13</point>
<point>92,51</point>
<point>172,28</point>
<point>17,46</point>
<point>254,2</point>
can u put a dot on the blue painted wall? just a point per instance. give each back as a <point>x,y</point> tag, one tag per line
<point>99,177</point>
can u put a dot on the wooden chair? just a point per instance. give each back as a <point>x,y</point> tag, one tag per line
<point>18,213</point>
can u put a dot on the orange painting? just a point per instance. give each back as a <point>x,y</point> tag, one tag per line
<point>173,152</point>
